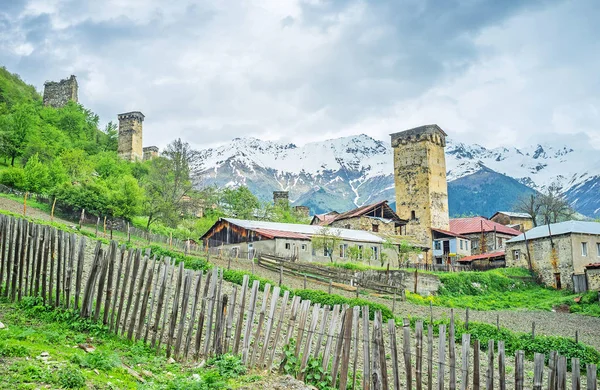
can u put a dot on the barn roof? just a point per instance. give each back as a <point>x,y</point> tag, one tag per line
<point>483,256</point>
<point>559,228</point>
<point>512,214</point>
<point>386,212</point>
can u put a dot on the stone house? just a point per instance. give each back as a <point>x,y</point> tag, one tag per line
<point>592,273</point>
<point>518,221</point>
<point>448,247</point>
<point>486,236</point>
<point>287,240</point>
<point>323,219</point>
<point>558,252</point>
<point>377,218</point>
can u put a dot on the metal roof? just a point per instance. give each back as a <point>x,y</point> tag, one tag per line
<point>483,256</point>
<point>449,233</point>
<point>308,230</point>
<point>281,234</point>
<point>511,214</point>
<point>476,224</point>
<point>559,228</point>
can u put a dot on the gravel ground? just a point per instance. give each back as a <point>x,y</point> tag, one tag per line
<point>546,322</point>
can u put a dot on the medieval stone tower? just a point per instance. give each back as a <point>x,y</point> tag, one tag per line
<point>130,136</point>
<point>58,94</point>
<point>281,198</point>
<point>420,180</point>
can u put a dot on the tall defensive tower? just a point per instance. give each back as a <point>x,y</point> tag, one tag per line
<point>130,136</point>
<point>420,180</point>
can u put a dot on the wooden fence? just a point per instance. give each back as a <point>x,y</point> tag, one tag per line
<point>190,316</point>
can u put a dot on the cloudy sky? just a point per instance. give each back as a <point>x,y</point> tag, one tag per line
<point>493,72</point>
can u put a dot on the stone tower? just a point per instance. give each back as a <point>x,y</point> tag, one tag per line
<point>130,136</point>
<point>281,198</point>
<point>58,94</point>
<point>420,180</point>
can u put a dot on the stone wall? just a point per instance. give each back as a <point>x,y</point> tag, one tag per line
<point>58,94</point>
<point>427,284</point>
<point>130,136</point>
<point>366,223</point>
<point>150,152</point>
<point>420,181</point>
<point>493,242</point>
<point>593,278</point>
<point>545,260</point>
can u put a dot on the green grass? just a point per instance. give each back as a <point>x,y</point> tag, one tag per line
<point>31,202</point>
<point>33,329</point>
<point>504,288</point>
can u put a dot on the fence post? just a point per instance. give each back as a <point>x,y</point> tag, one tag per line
<point>501,366</point>
<point>466,344</point>
<point>519,375</point>
<point>476,364</point>
<point>52,211</point>
<point>25,203</point>
<point>538,371</point>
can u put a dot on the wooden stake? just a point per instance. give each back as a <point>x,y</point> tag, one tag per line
<point>52,211</point>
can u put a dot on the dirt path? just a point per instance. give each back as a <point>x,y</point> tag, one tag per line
<point>17,208</point>
<point>546,322</point>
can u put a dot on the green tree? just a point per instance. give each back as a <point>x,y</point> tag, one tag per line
<point>403,250</point>
<point>327,240</point>
<point>15,130</point>
<point>13,177</point>
<point>240,202</point>
<point>125,198</point>
<point>36,176</point>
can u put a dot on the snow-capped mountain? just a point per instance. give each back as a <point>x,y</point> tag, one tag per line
<point>343,173</point>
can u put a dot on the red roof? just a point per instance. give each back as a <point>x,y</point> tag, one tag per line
<point>449,233</point>
<point>483,256</point>
<point>476,224</point>
<point>268,233</point>
<point>593,266</point>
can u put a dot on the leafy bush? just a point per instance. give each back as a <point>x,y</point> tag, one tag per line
<point>191,262</point>
<point>97,360</point>
<point>70,378</point>
<point>13,177</point>
<point>228,365</point>
<point>8,350</point>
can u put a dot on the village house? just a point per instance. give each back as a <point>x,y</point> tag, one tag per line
<point>486,236</point>
<point>324,219</point>
<point>519,221</point>
<point>377,218</point>
<point>448,247</point>
<point>560,253</point>
<point>234,236</point>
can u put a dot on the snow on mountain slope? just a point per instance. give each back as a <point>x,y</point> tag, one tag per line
<point>357,170</point>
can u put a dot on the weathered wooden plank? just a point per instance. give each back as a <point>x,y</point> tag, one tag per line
<point>575,374</point>
<point>269,326</point>
<point>394,353</point>
<point>591,381</point>
<point>406,353</point>
<point>332,328</point>
<point>538,371</point>
<point>201,319</point>
<point>282,311</point>
<point>53,260</point>
<point>429,357</point>
<point>501,365</point>
<point>187,285</point>
<point>79,273</point>
<point>249,322</point>
<point>16,260</point>
<point>452,352</point>
<point>489,375</point>
<point>22,260</point>
<point>309,337</point>
<point>321,331</point>
<point>229,323</point>
<point>466,347</point>
<point>138,295</point>
<point>366,349</point>
<point>220,325</point>
<point>441,357</point>
<point>419,354</point>
<point>292,321</point>
<point>188,338</point>
<point>561,373</point>
<point>261,319</point>
<point>378,378</point>
<point>101,282</point>
<point>27,277</point>
<point>3,239</point>
<point>175,309</point>
<point>212,302</point>
<point>339,344</point>
<point>552,370</point>
<point>519,370</point>
<point>355,337</point>
<point>40,256</point>
<point>125,280</point>
<point>345,356</point>
<point>476,364</point>
<point>302,325</point>
<point>218,307</point>
<point>32,265</point>
<point>160,301</point>
<point>240,320</point>
<point>70,269</point>
<point>116,293</point>
<point>165,315</point>
<point>147,287</point>
<point>134,272</point>
<point>10,244</point>
<point>90,283</point>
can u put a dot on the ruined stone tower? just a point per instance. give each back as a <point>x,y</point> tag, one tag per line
<point>281,198</point>
<point>420,180</point>
<point>58,94</point>
<point>130,136</point>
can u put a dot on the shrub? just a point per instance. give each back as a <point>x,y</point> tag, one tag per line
<point>13,177</point>
<point>70,378</point>
<point>96,360</point>
<point>8,350</point>
<point>228,365</point>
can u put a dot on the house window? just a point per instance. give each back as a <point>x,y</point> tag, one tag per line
<point>375,252</point>
<point>598,248</point>
<point>360,252</point>
<point>343,249</point>
<point>467,245</point>
<point>437,244</point>
<point>303,247</point>
<point>287,245</point>
<point>516,254</point>
<point>584,249</point>
<point>413,215</point>
<point>375,227</point>
<point>347,226</point>
<point>461,244</point>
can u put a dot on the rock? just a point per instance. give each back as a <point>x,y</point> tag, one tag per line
<point>171,361</point>
<point>96,371</point>
<point>196,377</point>
<point>2,326</point>
<point>44,356</point>
<point>87,347</point>
<point>147,373</point>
